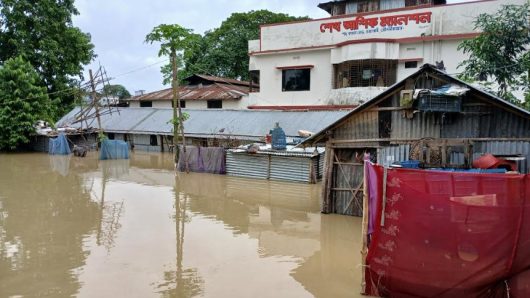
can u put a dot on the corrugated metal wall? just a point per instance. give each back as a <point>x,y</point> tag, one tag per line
<point>274,167</point>
<point>361,126</point>
<point>246,165</point>
<point>505,148</point>
<point>388,155</point>
<point>296,169</point>
<point>477,120</point>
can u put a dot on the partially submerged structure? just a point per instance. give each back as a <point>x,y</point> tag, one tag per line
<point>293,165</point>
<point>435,128</point>
<point>149,129</point>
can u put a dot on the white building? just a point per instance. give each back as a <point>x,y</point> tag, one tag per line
<point>199,92</point>
<point>362,48</point>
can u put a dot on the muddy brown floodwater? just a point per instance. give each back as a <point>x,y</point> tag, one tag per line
<point>132,228</point>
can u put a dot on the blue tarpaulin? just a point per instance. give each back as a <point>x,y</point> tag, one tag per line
<point>59,146</point>
<point>114,149</point>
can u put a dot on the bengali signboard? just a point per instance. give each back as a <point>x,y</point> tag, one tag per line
<point>362,25</point>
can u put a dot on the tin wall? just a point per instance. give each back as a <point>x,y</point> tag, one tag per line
<point>360,126</point>
<point>274,167</point>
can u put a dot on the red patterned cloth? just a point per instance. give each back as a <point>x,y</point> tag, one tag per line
<point>448,234</point>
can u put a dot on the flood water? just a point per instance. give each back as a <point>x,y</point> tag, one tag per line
<point>80,227</point>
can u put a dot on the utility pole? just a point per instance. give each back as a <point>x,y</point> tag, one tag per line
<point>178,122</point>
<point>95,101</point>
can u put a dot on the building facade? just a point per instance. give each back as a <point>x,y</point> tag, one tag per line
<point>364,47</point>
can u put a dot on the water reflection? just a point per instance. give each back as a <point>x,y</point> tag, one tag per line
<point>45,216</point>
<point>134,228</point>
<point>60,164</point>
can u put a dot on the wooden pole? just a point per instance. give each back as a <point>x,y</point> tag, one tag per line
<point>327,179</point>
<point>364,231</point>
<point>95,100</point>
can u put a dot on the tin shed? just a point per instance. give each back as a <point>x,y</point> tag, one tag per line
<point>437,131</point>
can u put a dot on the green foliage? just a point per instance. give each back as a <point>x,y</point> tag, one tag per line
<point>176,121</point>
<point>42,32</point>
<point>224,51</point>
<point>500,52</point>
<point>172,38</point>
<point>23,101</point>
<point>116,90</point>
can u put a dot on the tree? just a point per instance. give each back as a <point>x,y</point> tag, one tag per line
<point>23,101</point>
<point>42,32</point>
<point>500,52</point>
<point>116,90</point>
<point>224,50</point>
<point>173,38</point>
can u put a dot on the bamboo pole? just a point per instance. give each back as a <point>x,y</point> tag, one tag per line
<point>95,99</point>
<point>327,179</point>
<point>364,231</point>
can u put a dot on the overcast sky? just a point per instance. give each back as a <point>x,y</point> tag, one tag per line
<point>118,29</point>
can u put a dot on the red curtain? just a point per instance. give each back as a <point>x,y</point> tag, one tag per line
<point>448,234</point>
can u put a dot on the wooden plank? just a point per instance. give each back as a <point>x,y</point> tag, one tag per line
<point>327,178</point>
<point>349,185</point>
<point>444,155</point>
<point>353,198</point>
<point>349,164</point>
<point>420,157</point>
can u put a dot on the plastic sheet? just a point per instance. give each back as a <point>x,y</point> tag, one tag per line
<point>203,160</point>
<point>59,146</point>
<point>449,234</point>
<point>114,149</point>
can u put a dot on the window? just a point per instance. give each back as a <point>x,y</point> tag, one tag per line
<point>368,6</point>
<point>215,104</point>
<point>411,64</point>
<point>366,73</point>
<point>254,81</point>
<point>153,140</point>
<point>296,79</point>
<point>146,104</point>
<point>110,135</point>
<point>182,104</point>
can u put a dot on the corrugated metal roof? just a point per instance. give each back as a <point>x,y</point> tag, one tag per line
<point>197,92</point>
<point>433,71</point>
<point>242,124</point>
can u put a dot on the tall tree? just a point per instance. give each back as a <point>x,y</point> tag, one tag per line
<point>500,52</point>
<point>116,90</point>
<point>23,101</point>
<point>224,50</point>
<point>174,39</point>
<point>42,32</point>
